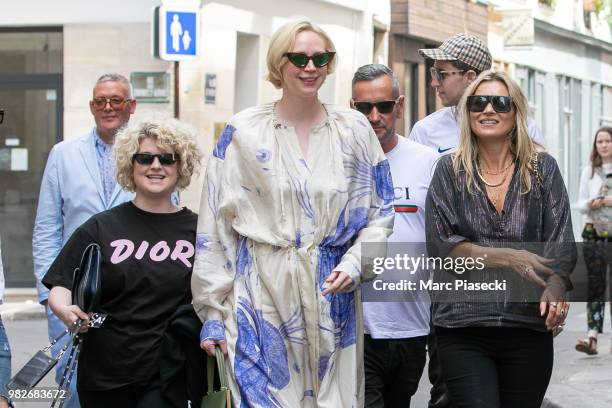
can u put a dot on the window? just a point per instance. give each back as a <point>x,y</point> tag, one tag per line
<point>379,50</point>
<point>31,52</point>
<point>247,71</point>
<point>532,83</point>
<point>570,140</point>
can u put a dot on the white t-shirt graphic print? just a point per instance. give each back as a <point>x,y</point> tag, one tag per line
<point>412,166</point>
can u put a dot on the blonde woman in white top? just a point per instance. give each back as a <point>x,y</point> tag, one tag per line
<point>595,201</point>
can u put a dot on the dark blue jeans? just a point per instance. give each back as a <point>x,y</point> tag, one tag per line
<point>495,367</point>
<point>5,360</point>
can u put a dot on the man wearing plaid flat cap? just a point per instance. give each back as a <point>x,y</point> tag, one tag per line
<point>457,63</point>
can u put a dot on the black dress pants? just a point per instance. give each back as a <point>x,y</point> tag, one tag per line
<point>495,367</point>
<point>124,397</point>
<point>393,368</point>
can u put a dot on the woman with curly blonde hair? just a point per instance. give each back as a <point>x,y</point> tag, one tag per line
<point>147,248</point>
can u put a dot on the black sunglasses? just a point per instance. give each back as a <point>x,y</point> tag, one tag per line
<point>381,107</point>
<point>500,104</point>
<point>300,60</point>
<point>1,115</point>
<point>146,159</point>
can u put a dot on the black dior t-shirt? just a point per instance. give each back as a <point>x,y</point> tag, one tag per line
<point>146,266</point>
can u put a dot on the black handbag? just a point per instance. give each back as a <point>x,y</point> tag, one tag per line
<point>34,371</point>
<point>86,280</point>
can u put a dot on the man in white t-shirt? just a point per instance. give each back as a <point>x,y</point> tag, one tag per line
<point>457,63</point>
<point>395,331</point>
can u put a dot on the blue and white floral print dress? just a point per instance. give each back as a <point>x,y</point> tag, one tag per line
<point>272,226</point>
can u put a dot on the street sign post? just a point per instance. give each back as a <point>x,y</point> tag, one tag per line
<point>176,35</point>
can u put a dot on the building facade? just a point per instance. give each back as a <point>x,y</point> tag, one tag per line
<point>51,53</point>
<point>566,73</point>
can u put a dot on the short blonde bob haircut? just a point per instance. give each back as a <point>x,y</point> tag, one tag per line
<point>522,146</point>
<point>283,41</point>
<point>170,136</point>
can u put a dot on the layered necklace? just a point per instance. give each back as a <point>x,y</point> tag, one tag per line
<point>494,190</point>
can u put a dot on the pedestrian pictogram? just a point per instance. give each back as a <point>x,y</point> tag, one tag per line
<point>176,33</point>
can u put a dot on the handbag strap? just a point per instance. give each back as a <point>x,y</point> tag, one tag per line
<point>55,340</point>
<point>535,164</point>
<point>605,181</point>
<point>210,368</point>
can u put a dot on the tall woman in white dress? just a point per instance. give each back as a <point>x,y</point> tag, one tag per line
<point>291,191</point>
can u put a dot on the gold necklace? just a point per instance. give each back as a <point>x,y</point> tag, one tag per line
<point>490,184</point>
<point>495,192</point>
<point>500,172</point>
<point>494,197</point>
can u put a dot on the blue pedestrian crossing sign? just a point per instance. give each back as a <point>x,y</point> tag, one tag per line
<point>177,33</point>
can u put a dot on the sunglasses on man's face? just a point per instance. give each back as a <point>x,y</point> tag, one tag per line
<point>146,159</point>
<point>300,60</point>
<point>439,74</point>
<point>500,104</point>
<point>116,102</point>
<point>381,107</point>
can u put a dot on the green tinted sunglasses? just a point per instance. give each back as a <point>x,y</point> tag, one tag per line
<point>300,60</point>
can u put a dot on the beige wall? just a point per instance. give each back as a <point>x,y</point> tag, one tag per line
<point>91,50</point>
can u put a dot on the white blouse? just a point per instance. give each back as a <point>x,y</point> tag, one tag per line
<point>590,188</point>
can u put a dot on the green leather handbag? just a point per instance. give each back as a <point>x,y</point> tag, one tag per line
<point>223,397</point>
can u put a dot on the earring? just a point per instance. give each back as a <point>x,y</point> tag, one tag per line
<point>512,132</point>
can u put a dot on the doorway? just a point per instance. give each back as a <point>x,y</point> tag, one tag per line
<point>31,94</point>
<point>32,125</point>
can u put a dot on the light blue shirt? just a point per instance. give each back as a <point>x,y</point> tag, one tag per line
<point>70,193</point>
<point>1,276</point>
<point>106,165</point>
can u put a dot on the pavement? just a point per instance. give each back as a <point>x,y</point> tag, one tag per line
<point>26,327</point>
<point>580,380</point>
<point>27,310</point>
<point>577,381</point>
